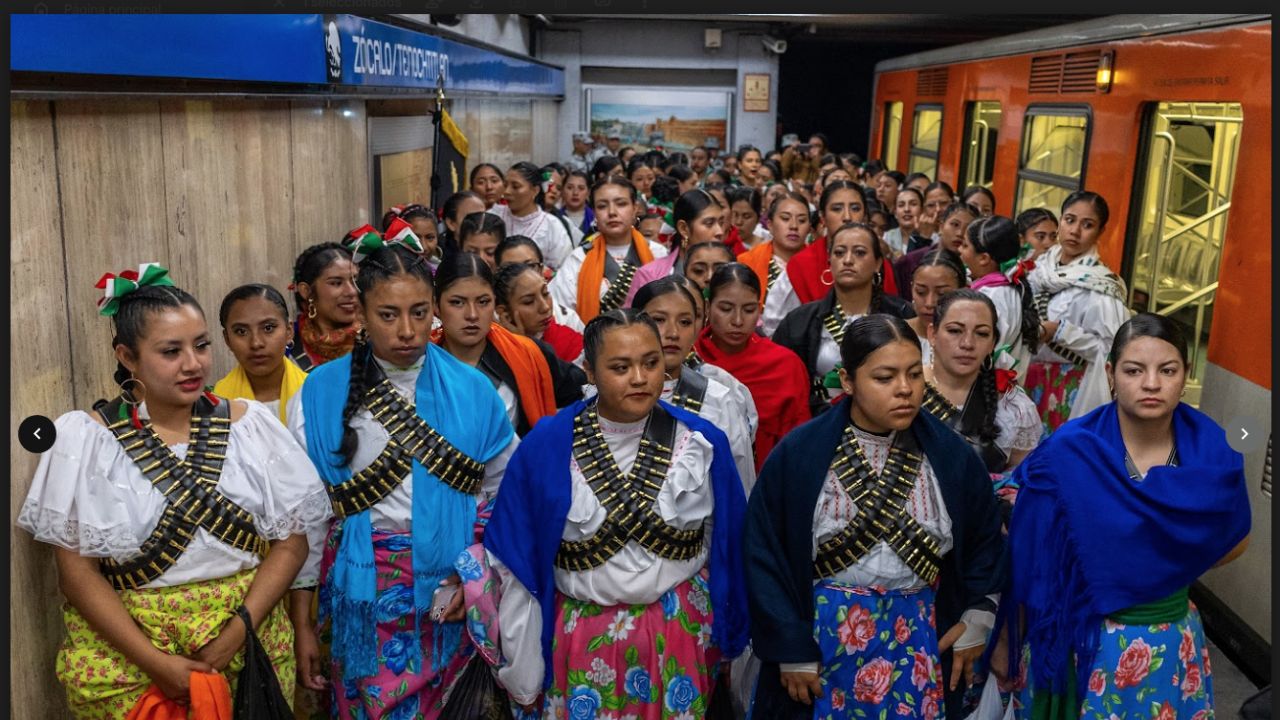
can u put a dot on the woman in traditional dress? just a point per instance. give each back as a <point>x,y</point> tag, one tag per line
<point>774,375</point>
<point>790,228</point>
<point>523,214</point>
<point>808,277</point>
<point>1118,513</point>
<point>1081,304</point>
<point>703,259</point>
<point>744,214</point>
<point>1038,230</point>
<point>617,597</point>
<point>872,549</point>
<point>373,422</point>
<point>699,388</point>
<point>487,182</point>
<point>991,250</point>
<point>524,306</point>
<point>600,274</point>
<point>814,330</point>
<point>953,224</point>
<point>695,218</point>
<point>968,391</point>
<point>422,221</point>
<point>255,326</point>
<point>939,272</point>
<point>455,209</point>
<point>531,380</point>
<point>480,234</point>
<point>154,596</point>
<point>324,293</point>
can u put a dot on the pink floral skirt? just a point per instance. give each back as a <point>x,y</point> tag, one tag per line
<point>648,662</point>
<point>405,688</point>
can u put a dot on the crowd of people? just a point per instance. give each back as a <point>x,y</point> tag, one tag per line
<point>652,435</point>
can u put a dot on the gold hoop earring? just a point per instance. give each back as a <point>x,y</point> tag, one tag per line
<point>311,309</point>
<point>130,398</point>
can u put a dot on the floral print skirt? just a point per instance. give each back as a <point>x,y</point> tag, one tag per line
<point>879,653</point>
<point>1052,386</point>
<point>1159,672</point>
<point>405,688</point>
<point>102,684</point>
<point>639,662</point>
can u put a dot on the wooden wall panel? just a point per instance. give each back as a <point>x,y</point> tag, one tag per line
<point>112,175</point>
<point>41,383</point>
<point>331,188</point>
<point>228,198</point>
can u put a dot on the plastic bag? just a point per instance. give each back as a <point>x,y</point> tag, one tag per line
<point>477,696</point>
<point>745,671</point>
<point>258,694</point>
<point>990,706</point>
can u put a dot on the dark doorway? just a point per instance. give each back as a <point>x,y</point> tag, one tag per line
<point>825,85</point>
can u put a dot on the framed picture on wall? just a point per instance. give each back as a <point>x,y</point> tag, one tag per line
<point>670,119</point>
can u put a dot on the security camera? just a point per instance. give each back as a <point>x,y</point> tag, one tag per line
<point>777,46</point>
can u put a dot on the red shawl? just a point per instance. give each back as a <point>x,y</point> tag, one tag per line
<point>733,239</point>
<point>566,341</point>
<point>806,269</point>
<point>777,380</point>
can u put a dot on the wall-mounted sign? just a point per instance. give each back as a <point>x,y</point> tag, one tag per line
<point>308,49</point>
<point>755,92</point>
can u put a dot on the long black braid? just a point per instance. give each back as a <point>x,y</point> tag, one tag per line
<point>988,429</point>
<point>383,264</point>
<point>998,237</point>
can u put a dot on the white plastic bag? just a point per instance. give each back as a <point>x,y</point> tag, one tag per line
<point>989,706</point>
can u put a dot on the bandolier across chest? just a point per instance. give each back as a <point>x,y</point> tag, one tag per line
<point>628,499</point>
<point>190,488</point>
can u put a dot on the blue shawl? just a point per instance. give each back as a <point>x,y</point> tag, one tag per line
<point>461,404</point>
<point>533,504</point>
<point>1085,541</point>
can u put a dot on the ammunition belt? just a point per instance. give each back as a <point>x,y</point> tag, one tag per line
<point>628,499</point>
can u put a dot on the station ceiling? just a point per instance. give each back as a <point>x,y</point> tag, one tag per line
<point>914,28</point>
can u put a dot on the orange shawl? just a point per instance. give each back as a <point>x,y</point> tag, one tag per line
<point>527,363</point>
<point>210,700</point>
<point>758,259</point>
<point>591,274</point>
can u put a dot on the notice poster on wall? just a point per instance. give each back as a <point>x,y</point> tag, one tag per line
<point>673,120</point>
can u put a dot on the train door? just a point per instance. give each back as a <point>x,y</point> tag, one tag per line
<point>1179,217</point>
<point>982,126</point>
<point>891,135</point>
<point>926,134</point>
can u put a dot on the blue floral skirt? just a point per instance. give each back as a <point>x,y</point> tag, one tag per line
<point>1143,671</point>
<point>879,653</point>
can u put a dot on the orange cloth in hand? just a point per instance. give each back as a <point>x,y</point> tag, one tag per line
<point>591,275</point>
<point>210,700</point>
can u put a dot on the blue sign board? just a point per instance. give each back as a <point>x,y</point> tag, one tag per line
<point>307,49</point>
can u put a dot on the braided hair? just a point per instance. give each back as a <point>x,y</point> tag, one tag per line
<point>998,237</point>
<point>593,333</point>
<point>877,281</point>
<point>988,428</point>
<point>385,263</point>
<point>506,278</point>
<point>408,213</point>
<point>312,262</point>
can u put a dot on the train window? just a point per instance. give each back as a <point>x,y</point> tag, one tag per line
<point>926,133</point>
<point>1178,219</point>
<point>1054,146</point>
<point>891,135</point>
<point>982,118</point>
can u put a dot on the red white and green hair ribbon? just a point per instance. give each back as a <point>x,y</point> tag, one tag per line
<point>114,287</point>
<point>365,240</point>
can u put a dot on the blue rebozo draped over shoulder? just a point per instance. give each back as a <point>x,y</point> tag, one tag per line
<point>461,405</point>
<point>1086,541</point>
<point>533,504</point>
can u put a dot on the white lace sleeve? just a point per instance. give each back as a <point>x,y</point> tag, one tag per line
<point>81,497</point>
<point>1019,421</point>
<point>290,497</point>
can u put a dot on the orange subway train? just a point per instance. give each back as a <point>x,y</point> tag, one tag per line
<point>1169,118</point>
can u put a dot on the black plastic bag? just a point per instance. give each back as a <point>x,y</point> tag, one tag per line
<point>477,696</point>
<point>720,705</point>
<point>258,694</point>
